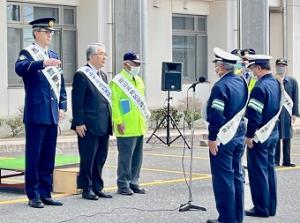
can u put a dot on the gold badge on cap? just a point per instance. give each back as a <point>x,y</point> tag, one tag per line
<point>51,23</point>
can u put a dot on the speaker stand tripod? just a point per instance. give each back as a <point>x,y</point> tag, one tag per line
<point>169,119</point>
<point>189,205</point>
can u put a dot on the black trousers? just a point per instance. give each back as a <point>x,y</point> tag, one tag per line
<point>286,151</point>
<point>93,152</point>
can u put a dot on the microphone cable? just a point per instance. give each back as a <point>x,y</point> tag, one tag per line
<point>184,146</point>
<point>116,209</point>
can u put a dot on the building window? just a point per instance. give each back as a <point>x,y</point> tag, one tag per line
<point>19,35</point>
<point>189,45</point>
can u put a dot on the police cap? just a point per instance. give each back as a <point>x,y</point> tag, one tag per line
<point>258,59</point>
<point>223,56</point>
<point>46,23</point>
<point>281,61</point>
<point>242,53</point>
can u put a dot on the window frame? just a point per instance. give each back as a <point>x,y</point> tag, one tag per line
<point>195,33</point>
<point>21,12</point>
<point>60,26</point>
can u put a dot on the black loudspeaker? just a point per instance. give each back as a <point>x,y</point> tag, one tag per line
<point>171,76</point>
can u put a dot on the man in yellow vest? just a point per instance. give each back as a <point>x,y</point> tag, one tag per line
<point>129,114</point>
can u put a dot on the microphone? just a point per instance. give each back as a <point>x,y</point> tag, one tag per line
<point>200,80</point>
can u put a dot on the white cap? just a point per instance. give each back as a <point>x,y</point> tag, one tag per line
<point>225,56</point>
<point>258,59</point>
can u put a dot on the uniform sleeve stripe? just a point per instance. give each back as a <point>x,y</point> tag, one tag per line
<point>218,102</point>
<point>255,107</point>
<point>257,103</point>
<point>218,107</point>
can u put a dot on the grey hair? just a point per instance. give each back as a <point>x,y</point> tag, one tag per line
<point>92,49</point>
<point>228,66</point>
<point>35,29</point>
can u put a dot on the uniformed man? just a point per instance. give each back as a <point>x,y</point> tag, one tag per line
<point>130,114</point>
<point>287,118</point>
<point>247,74</point>
<point>91,99</point>
<point>45,104</point>
<point>262,135</point>
<point>250,79</point>
<point>225,109</point>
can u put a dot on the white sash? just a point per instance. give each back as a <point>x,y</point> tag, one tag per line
<point>52,73</point>
<point>133,94</point>
<point>227,131</point>
<point>288,103</point>
<point>262,134</point>
<point>97,81</point>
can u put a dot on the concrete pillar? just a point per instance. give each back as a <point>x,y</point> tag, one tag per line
<point>255,25</point>
<point>3,62</point>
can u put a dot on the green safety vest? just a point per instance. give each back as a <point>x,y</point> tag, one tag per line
<point>133,120</point>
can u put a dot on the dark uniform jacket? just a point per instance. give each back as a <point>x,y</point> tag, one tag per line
<point>89,107</point>
<point>285,124</point>
<point>264,103</point>
<point>228,97</point>
<point>41,105</point>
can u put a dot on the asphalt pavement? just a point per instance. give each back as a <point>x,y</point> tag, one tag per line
<point>162,176</point>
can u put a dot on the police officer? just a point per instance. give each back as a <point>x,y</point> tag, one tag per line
<point>247,74</point>
<point>286,120</point>
<point>262,135</point>
<point>227,99</point>
<point>45,104</point>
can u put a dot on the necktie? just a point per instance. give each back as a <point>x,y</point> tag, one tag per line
<point>103,76</point>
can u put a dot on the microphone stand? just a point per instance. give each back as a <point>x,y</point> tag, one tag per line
<point>189,206</point>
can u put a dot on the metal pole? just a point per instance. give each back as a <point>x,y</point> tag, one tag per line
<point>284,22</point>
<point>113,34</point>
<point>240,27</point>
<point>192,145</point>
<point>168,120</point>
<point>143,40</point>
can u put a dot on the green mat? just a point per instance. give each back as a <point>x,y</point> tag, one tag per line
<point>18,163</point>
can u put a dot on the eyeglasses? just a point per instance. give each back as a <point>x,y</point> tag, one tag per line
<point>101,54</point>
<point>48,32</point>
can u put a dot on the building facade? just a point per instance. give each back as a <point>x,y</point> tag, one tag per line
<point>159,30</point>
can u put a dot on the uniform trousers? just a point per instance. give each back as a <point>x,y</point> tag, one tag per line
<point>39,159</point>
<point>262,175</point>
<point>130,159</point>
<point>227,179</point>
<point>286,152</point>
<point>93,152</point>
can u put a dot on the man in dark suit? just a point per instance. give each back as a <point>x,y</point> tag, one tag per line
<point>92,121</point>
<point>285,119</point>
<point>45,104</point>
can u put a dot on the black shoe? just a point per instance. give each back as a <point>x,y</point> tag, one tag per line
<point>213,221</point>
<point>35,203</point>
<point>102,194</point>
<point>254,213</point>
<point>89,195</point>
<point>50,201</point>
<point>289,164</point>
<point>276,164</point>
<point>137,189</point>
<point>125,191</point>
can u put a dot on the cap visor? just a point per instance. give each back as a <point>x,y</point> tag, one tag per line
<point>250,64</point>
<point>216,60</point>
